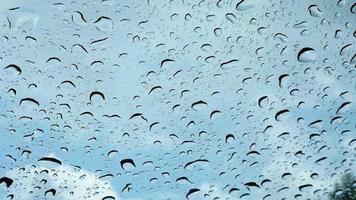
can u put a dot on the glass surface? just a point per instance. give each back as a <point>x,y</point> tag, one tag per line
<point>177,99</point>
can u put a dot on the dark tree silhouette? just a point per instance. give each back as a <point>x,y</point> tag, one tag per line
<point>346,190</point>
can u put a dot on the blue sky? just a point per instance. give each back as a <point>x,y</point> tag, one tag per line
<point>156,59</point>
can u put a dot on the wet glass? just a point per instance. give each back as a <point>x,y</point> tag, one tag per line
<point>176,99</point>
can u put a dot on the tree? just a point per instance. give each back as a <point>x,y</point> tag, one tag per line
<point>346,190</point>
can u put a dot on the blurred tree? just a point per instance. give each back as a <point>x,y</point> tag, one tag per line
<point>346,190</point>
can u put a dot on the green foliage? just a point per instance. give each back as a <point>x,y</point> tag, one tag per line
<point>346,190</point>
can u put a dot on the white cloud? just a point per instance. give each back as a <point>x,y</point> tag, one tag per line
<point>69,183</point>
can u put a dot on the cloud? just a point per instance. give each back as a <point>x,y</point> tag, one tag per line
<point>69,182</point>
